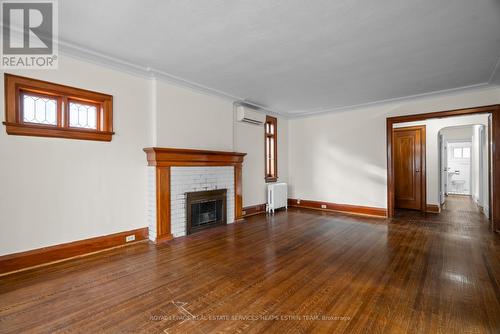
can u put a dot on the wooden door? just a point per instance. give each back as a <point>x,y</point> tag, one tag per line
<point>409,167</point>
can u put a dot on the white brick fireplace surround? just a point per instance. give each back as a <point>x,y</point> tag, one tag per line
<point>188,179</point>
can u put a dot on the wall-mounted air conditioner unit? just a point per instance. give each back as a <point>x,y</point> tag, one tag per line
<point>249,115</point>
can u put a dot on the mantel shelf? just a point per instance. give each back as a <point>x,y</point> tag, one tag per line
<point>158,156</point>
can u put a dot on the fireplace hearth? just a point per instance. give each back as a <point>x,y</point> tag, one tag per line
<point>205,209</point>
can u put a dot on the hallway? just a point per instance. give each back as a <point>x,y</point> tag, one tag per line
<point>458,213</point>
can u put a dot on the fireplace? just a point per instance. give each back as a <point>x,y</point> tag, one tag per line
<point>205,209</point>
<point>174,172</point>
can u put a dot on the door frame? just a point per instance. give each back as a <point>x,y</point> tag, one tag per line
<point>493,147</point>
<point>423,161</point>
<point>441,167</point>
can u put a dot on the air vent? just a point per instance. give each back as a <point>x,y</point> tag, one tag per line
<point>249,115</point>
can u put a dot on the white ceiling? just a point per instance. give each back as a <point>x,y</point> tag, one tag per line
<point>297,56</point>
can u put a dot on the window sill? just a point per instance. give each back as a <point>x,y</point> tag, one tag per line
<point>271,179</point>
<point>20,129</point>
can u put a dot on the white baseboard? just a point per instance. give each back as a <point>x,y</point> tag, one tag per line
<point>486,211</point>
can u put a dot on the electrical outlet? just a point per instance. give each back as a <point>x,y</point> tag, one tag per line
<point>298,201</point>
<point>130,238</point>
<point>323,206</point>
<point>243,213</point>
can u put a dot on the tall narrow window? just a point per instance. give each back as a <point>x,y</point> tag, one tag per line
<point>271,152</point>
<point>45,109</point>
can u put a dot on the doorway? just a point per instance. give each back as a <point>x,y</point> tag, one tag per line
<point>464,163</point>
<point>493,148</point>
<point>458,171</point>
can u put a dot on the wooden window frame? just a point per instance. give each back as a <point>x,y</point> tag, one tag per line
<point>271,177</point>
<point>17,86</point>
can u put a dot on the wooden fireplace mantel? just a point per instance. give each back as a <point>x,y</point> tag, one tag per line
<point>164,158</point>
<point>185,157</point>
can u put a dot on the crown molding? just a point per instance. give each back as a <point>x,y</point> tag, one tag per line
<point>446,92</point>
<point>98,58</point>
<point>495,75</point>
<point>147,72</point>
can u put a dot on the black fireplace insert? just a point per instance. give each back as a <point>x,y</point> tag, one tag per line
<point>205,209</point>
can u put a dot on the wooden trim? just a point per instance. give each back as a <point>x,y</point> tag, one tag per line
<point>23,129</point>
<point>442,114</point>
<point>432,208</point>
<point>187,157</point>
<point>238,192</point>
<point>490,168</point>
<point>274,121</point>
<point>46,255</point>
<point>163,227</point>
<point>253,210</point>
<point>494,146</point>
<point>345,208</point>
<point>423,159</point>
<point>164,158</point>
<point>16,86</point>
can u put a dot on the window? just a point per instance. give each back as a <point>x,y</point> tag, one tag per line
<point>461,152</point>
<point>39,109</point>
<point>466,152</point>
<point>45,109</point>
<point>83,115</point>
<point>271,154</point>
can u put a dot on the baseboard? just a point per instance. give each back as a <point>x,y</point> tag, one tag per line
<point>345,208</point>
<point>253,210</point>
<point>486,211</point>
<point>46,255</point>
<point>432,208</point>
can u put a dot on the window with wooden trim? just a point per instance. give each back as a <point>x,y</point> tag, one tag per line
<point>271,149</point>
<point>46,109</point>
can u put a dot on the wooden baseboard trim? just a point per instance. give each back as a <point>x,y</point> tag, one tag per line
<point>42,256</point>
<point>432,208</point>
<point>253,210</point>
<point>345,208</point>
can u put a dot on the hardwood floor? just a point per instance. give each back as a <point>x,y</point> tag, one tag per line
<point>291,273</point>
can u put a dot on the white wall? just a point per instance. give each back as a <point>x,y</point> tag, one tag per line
<point>341,157</point>
<point>476,163</point>
<point>485,200</point>
<point>55,191</point>
<point>189,119</point>
<point>480,166</point>
<point>59,190</point>
<point>432,128</point>
<point>249,138</point>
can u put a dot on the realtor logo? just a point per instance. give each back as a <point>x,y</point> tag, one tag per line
<point>28,35</point>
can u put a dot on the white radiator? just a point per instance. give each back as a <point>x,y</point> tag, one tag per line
<point>277,196</point>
